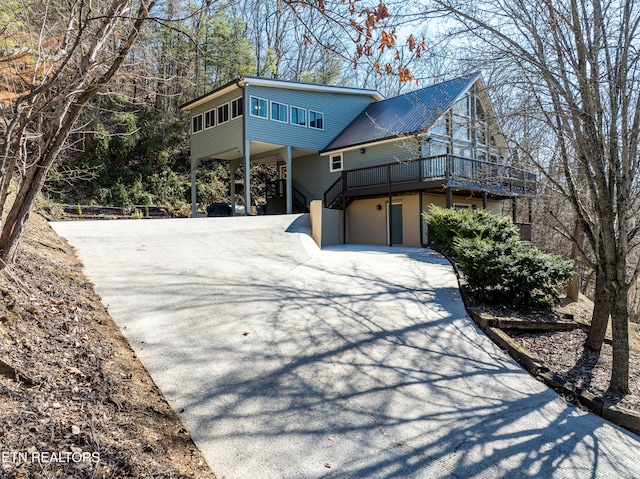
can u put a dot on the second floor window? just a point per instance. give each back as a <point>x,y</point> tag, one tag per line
<point>316,120</point>
<point>298,116</point>
<point>210,119</point>
<point>223,113</point>
<point>237,108</point>
<point>258,107</point>
<point>278,111</point>
<point>196,123</point>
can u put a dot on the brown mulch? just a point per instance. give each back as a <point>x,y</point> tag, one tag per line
<point>75,400</point>
<point>564,353</point>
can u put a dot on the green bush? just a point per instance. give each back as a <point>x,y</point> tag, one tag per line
<point>120,195</point>
<point>510,273</point>
<point>447,224</point>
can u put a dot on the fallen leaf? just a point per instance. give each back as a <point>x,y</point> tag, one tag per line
<point>246,333</point>
<point>32,310</point>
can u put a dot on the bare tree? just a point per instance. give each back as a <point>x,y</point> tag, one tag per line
<point>578,61</point>
<point>73,50</point>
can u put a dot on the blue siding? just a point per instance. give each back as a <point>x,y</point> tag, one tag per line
<point>339,110</point>
<point>313,172</point>
<point>220,138</point>
<point>380,154</point>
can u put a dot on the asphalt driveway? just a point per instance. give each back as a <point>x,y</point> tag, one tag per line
<point>285,361</point>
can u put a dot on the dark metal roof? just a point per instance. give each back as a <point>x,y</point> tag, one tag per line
<point>402,115</point>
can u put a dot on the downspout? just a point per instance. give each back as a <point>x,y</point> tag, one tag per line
<point>289,181</point>
<point>390,206</point>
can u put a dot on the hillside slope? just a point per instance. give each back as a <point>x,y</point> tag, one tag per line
<point>76,402</point>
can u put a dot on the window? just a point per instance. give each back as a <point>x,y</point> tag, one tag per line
<point>298,116</point>
<point>237,108</point>
<point>258,107</point>
<point>196,123</point>
<point>278,112</point>
<point>335,162</point>
<point>223,113</point>
<point>210,119</point>
<point>283,172</point>
<point>439,127</point>
<point>316,120</point>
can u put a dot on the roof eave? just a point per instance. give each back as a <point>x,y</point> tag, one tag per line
<point>241,82</point>
<point>292,85</point>
<point>386,139</point>
<point>190,105</point>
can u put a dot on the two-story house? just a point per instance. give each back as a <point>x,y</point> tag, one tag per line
<point>368,166</point>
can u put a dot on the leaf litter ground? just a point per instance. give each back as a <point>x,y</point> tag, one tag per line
<point>75,400</point>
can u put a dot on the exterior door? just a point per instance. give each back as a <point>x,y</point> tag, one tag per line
<point>394,224</point>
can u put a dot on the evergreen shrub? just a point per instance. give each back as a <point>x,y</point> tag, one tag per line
<point>446,224</point>
<point>498,268</point>
<point>511,273</point>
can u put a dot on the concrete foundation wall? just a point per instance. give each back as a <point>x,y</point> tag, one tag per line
<point>367,219</point>
<point>326,224</point>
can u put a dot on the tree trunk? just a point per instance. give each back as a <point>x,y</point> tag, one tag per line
<point>19,213</point>
<point>573,288</point>
<point>600,315</point>
<point>620,326</point>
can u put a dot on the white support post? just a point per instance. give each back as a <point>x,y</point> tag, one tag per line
<point>289,182</point>
<point>233,166</point>
<point>247,177</point>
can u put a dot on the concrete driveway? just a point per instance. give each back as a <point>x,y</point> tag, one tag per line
<point>285,361</point>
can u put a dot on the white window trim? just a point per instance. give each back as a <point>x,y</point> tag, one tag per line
<point>306,119</point>
<point>271,111</point>
<point>251,113</point>
<point>218,122</point>
<point>315,127</point>
<point>240,102</point>
<point>193,131</point>
<point>331,157</point>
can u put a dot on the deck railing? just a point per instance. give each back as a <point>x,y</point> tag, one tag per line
<point>457,171</point>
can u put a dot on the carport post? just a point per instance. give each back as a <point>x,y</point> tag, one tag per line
<point>247,177</point>
<point>194,191</point>
<point>233,166</point>
<point>289,181</point>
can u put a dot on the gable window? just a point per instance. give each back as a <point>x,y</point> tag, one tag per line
<point>237,108</point>
<point>335,162</point>
<point>258,107</point>
<point>196,123</point>
<point>210,119</point>
<point>278,112</point>
<point>298,116</point>
<point>223,113</point>
<point>316,120</point>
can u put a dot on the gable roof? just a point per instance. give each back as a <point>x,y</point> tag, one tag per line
<point>403,115</point>
<point>240,82</point>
